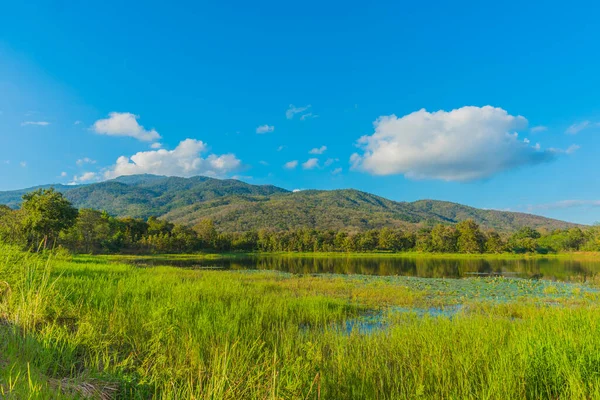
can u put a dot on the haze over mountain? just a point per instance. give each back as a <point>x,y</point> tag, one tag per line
<point>238,206</point>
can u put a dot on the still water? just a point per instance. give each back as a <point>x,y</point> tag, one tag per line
<point>559,269</point>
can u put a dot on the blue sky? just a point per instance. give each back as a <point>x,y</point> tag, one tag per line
<point>90,90</point>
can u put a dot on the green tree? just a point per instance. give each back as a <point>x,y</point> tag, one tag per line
<point>389,239</point>
<point>158,226</point>
<point>11,226</point>
<point>47,213</point>
<point>526,233</point>
<point>575,239</point>
<point>423,240</point>
<point>470,238</point>
<point>207,233</point>
<point>494,243</point>
<point>524,240</point>
<point>368,240</point>
<point>132,229</point>
<point>444,239</point>
<point>340,241</point>
<point>93,229</point>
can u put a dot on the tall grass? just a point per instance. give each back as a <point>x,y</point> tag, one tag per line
<point>77,329</point>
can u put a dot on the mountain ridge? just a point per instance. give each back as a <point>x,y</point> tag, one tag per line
<point>239,206</point>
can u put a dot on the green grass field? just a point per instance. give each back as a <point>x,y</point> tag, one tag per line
<point>91,327</point>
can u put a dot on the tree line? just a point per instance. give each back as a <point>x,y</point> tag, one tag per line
<point>46,219</point>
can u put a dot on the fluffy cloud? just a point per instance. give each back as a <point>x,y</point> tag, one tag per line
<point>336,171</point>
<point>293,110</point>
<point>156,145</point>
<point>460,145</point>
<point>311,163</point>
<point>265,129</point>
<point>330,161</point>
<point>85,160</point>
<point>291,164</point>
<point>38,123</point>
<point>85,177</point>
<point>318,150</point>
<point>124,124</point>
<point>63,174</point>
<point>185,160</point>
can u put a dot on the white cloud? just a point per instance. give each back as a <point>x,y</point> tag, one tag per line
<point>569,150</point>
<point>296,190</point>
<point>336,171</point>
<point>293,110</point>
<point>330,161</point>
<point>156,145</point>
<point>291,164</point>
<point>311,163</point>
<point>308,116</point>
<point>38,123</point>
<point>576,128</point>
<point>85,177</point>
<point>23,164</point>
<point>265,129</point>
<point>318,150</point>
<point>63,174</point>
<point>262,162</point>
<point>460,145</point>
<point>124,124</point>
<point>539,128</point>
<point>185,160</point>
<point>240,177</point>
<point>281,148</point>
<point>355,160</point>
<point>85,160</point>
<point>77,122</point>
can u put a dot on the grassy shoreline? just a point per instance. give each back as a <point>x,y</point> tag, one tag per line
<point>233,255</point>
<point>164,332</point>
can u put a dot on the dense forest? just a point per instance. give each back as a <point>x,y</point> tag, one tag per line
<point>47,219</point>
<point>236,206</point>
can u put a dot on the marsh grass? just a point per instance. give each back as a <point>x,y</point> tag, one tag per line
<point>93,328</point>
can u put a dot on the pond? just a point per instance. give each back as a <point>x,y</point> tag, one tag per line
<point>557,269</point>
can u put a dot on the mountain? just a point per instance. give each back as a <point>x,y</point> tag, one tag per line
<point>238,206</point>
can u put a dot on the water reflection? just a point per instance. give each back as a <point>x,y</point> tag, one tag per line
<point>539,268</point>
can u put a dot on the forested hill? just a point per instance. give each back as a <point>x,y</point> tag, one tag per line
<point>237,206</point>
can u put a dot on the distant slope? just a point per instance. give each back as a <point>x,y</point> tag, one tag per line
<point>146,195</point>
<point>338,209</point>
<point>347,209</point>
<point>239,206</point>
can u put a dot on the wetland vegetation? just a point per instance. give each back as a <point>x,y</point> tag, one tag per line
<point>73,327</point>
